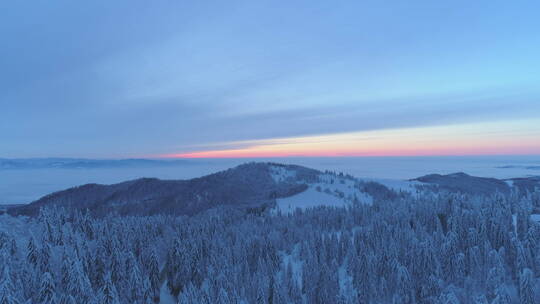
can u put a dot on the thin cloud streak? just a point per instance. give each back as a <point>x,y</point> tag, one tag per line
<point>465,139</point>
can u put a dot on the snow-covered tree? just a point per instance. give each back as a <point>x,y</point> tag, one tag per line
<point>526,287</point>
<point>108,293</point>
<point>47,293</point>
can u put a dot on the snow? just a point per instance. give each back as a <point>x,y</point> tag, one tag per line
<point>165,296</point>
<point>308,199</point>
<point>344,278</point>
<point>17,227</point>
<point>296,264</point>
<point>331,191</point>
<point>338,186</point>
<point>281,174</point>
<point>396,184</point>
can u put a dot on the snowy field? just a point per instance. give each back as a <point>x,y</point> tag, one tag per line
<point>309,199</point>
<point>26,185</point>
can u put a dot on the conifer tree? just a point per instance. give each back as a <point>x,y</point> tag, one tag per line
<point>32,256</point>
<point>494,281</point>
<point>502,296</point>
<point>152,267</point>
<point>450,298</point>
<point>526,285</point>
<point>67,299</point>
<point>47,292</point>
<point>108,293</point>
<point>44,257</point>
<point>8,294</point>
<point>79,285</point>
<point>404,286</point>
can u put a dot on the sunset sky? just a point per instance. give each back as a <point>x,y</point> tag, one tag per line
<point>119,79</point>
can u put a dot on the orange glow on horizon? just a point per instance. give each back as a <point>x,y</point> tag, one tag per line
<point>501,138</point>
<point>393,153</point>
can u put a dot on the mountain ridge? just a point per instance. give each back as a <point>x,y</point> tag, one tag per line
<point>255,187</point>
<point>249,185</point>
<point>80,163</point>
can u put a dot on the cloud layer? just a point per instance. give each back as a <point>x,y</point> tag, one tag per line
<point>138,78</point>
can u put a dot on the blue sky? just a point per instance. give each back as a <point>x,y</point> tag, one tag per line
<point>150,78</point>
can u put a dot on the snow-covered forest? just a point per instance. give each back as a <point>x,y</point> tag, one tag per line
<point>422,248</point>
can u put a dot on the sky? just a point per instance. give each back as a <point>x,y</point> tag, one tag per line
<point>122,79</point>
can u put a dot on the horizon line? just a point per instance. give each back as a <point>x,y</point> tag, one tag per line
<point>339,156</point>
<point>183,156</point>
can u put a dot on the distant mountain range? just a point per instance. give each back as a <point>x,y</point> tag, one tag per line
<point>255,187</point>
<point>249,186</point>
<point>464,183</point>
<point>521,167</point>
<point>76,163</point>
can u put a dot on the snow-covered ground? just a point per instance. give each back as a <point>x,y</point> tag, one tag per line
<point>309,199</point>
<point>281,174</point>
<point>165,296</point>
<point>331,190</point>
<point>396,184</point>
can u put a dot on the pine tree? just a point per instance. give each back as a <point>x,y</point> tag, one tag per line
<point>147,295</point>
<point>404,285</point>
<point>67,299</point>
<point>450,298</point>
<point>223,297</point>
<point>44,258</point>
<point>66,271</point>
<point>522,222</point>
<point>29,280</point>
<point>8,294</point>
<point>349,295</point>
<point>474,262</point>
<point>32,257</point>
<point>526,285</point>
<point>108,293</point>
<point>116,266</point>
<point>152,267</point>
<point>47,293</point>
<point>135,283</point>
<point>458,268</point>
<point>480,299</point>
<point>79,284</point>
<point>190,295</point>
<point>174,268</point>
<point>494,281</point>
<point>13,247</point>
<point>431,289</point>
<point>87,226</point>
<point>502,296</point>
<point>99,269</point>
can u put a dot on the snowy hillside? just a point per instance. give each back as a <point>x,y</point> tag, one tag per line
<point>340,190</point>
<point>328,190</point>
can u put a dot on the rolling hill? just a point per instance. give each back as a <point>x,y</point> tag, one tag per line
<point>255,187</point>
<point>246,186</point>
